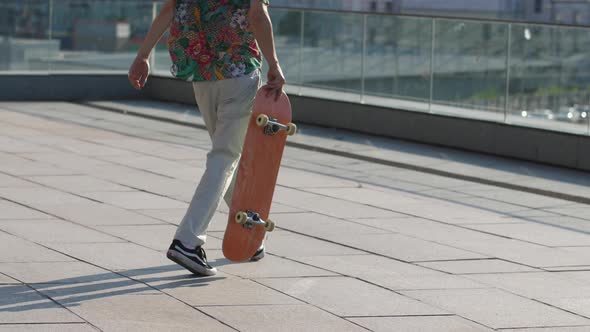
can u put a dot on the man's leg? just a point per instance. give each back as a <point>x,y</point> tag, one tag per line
<point>230,190</point>
<point>234,106</point>
<point>207,97</point>
<point>227,197</point>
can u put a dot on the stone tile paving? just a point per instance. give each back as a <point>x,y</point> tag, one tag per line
<point>4,280</point>
<point>89,200</point>
<point>498,309</point>
<point>419,323</point>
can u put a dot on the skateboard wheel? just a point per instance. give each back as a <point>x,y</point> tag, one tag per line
<point>270,225</point>
<point>241,217</point>
<point>292,129</point>
<point>262,120</point>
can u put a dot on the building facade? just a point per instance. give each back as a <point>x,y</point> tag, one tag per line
<point>575,12</point>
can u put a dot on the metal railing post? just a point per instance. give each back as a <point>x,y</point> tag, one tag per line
<point>363,59</point>
<point>432,46</point>
<point>508,59</point>
<point>50,23</point>
<point>50,33</point>
<point>301,45</point>
<point>154,51</point>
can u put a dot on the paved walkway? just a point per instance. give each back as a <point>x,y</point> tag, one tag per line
<point>89,200</point>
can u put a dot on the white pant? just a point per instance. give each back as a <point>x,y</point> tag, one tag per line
<point>226,106</point>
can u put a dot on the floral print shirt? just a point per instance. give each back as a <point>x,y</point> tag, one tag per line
<point>212,40</point>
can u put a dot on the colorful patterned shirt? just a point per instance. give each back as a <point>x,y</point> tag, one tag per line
<point>212,40</point>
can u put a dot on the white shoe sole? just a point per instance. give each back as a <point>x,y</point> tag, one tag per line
<point>258,257</point>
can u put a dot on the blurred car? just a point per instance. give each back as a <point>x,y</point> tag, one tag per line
<point>574,114</point>
<point>546,114</point>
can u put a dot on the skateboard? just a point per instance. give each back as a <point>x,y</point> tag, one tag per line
<point>258,169</point>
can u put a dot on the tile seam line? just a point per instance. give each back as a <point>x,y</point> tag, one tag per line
<point>415,263</point>
<point>426,194</point>
<point>46,323</point>
<point>70,221</point>
<point>420,262</point>
<point>344,275</point>
<point>9,277</point>
<point>405,293</point>
<point>304,302</point>
<point>424,218</point>
<point>308,147</point>
<point>539,300</point>
<point>367,281</point>
<point>247,305</point>
<point>396,316</point>
<point>46,296</point>
<point>537,327</point>
<point>410,215</point>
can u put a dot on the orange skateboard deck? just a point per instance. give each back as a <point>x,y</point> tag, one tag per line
<point>258,169</point>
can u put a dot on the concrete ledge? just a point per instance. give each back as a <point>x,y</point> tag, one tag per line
<point>532,144</point>
<point>168,89</point>
<point>31,87</point>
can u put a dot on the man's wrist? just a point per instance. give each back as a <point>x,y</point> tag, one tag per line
<point>273,63</point>
<point>142,57</point>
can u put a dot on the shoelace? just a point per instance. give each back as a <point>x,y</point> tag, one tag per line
<point>202,254</point>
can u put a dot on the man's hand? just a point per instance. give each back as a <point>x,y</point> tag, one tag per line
<point>140,69</point>
<point>139,72</point>
<point>262,27</point>
<point>276,80</point>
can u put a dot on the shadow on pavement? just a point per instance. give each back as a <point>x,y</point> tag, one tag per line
<point>71,292</point>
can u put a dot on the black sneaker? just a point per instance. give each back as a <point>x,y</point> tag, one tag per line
<point>258,255</point>
<point>194,260</point>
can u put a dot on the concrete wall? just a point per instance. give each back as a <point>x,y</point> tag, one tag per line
<point>168,89</point>
<point>531,144</point>
<point>29,87</point>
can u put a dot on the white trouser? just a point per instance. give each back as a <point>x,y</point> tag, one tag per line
<point>226,106</point>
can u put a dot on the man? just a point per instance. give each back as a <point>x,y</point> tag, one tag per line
<point>216,45</point>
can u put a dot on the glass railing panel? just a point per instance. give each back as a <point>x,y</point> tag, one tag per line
<point>332,55</point>
<point>397,61</point>
<point>469,77</point>
<point>161,57</point>
<point>550,77</point>
<point>531,75</point>
<point>287,30</point>
<point>24,36</point>
<point>98,35</point>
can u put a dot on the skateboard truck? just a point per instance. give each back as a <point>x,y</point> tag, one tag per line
<point>250,219</point>
<point>272,126</point>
